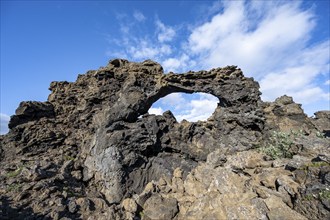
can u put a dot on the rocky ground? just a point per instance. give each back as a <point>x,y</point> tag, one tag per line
<point>93,152</point>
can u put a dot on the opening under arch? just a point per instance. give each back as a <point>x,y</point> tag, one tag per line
<point>191,107</point>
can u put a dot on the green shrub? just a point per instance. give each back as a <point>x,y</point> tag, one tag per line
<point>15,172</point>
<point>308,197</point>
<point>319,134</point>
<point>318,164</point>
<point>67,157</point>
<point>279,144</point>
<point>324,194</point>
<point>15,187</point>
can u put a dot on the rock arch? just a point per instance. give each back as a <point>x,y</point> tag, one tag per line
<point>94,138</point>
<point>142,88</point>
<point>119,129</point>
<point>104,116</point>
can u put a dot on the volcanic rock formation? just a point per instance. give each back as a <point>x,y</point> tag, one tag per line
<point>93,151</point>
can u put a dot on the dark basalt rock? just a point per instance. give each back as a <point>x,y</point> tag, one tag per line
<point>322,122</point>
<point>30,111</point>
<point>138,140</point>
<point>99,114</point>
<point>93,143</point>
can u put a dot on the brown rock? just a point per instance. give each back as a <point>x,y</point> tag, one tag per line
<point>129,205</point>
<point>157,207</point>
<point>278,210</point>
<point>177,173</point>
<point>286,115</point>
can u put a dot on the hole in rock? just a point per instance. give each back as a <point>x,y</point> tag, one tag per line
<point>191,107</point>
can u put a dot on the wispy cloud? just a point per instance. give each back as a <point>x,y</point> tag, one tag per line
<point>4,120</point>
<point>165,33</point>
<point>135,44</point>
<point>146,49</point>
<point>139,16</point>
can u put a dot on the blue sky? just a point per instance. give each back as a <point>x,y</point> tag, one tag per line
<point>282,44</point>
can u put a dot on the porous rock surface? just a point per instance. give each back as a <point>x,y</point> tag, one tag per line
<point>93,152</point>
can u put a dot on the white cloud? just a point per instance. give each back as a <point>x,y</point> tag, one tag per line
<point>177,64</point>
<point>269,40</point>
<point>146,50</point>
<point>327,82</point>
<point>174,99</point>
<point>166,33</point>
<point>234,37</point>
<point>192,107</point>
<point>296,78</point>
<point>199,109</point>
<point>4,120</point>
<point>311,95</point>
<point>205,36</point>
<point>172,64</point>
<point>139,16</point>
<point>275,48</point>
<point>156,111</point>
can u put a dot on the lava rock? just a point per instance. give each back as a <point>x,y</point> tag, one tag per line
<point>157,207</point>
<point>92,145</point>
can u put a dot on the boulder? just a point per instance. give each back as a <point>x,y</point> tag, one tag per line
<point>157,207</point>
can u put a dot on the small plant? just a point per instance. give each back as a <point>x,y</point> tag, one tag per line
<point>319,134</point>
<point>297,133</point>
<point>71,193</point>
<point>324,194</point>
<point>67,157</point>
<point>15,187</point>
<point>280,144</point>
<point>15,172</point>
<point>308,197</point>
<point>318,164</point>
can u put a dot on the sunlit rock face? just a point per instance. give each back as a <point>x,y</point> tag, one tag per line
<point>93,144</point>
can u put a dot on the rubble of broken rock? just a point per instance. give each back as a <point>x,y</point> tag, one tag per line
<point>93,152</point>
